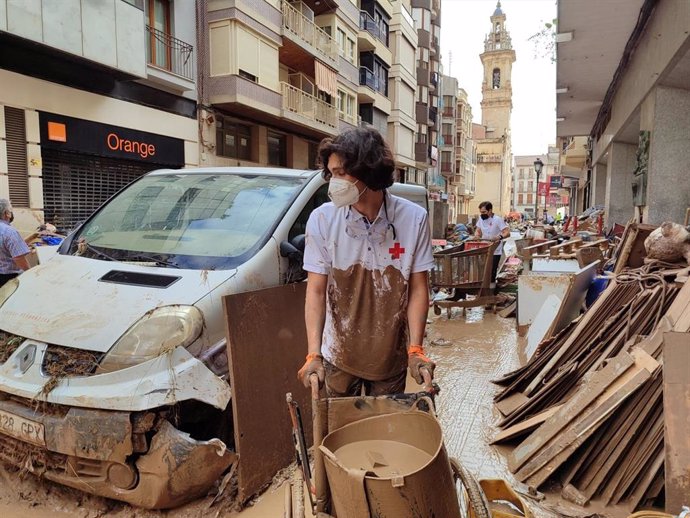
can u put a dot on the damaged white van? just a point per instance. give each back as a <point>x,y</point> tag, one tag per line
<point>113,369</point>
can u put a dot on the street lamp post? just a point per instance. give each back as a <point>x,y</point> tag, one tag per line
<point>538,165</point>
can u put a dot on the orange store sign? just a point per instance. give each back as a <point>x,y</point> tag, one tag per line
<point>94,138</point>
<point>117,143</point>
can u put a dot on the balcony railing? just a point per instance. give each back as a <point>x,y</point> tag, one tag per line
<point>447,167</point>
<point>448,112</point>
<point>308,31</point>
<point>368,78</point>
<point>164,51</point>
<point>308,106</point>
<point>447,140</point>
<point>367,23</point>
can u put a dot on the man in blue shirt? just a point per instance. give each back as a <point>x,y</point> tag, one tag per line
<point>14,252</point>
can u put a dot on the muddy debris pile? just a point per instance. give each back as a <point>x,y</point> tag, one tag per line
<point>586,411</point>
<point>63,362</point>
<point>8,344</point>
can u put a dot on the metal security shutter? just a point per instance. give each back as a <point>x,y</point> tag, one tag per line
<point>18,175</point>
<point>75,185</point>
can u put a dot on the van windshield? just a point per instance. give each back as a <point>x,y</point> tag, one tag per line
<point>204,221</point>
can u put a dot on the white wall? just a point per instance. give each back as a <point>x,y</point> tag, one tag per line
<point>110,32</point>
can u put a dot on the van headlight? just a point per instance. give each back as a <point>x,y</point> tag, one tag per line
<point>8,289</point>
<point>158,332</point>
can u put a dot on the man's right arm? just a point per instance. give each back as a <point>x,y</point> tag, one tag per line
<point>315,310</point>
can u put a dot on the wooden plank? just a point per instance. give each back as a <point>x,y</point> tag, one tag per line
<point>649,435</point>
<point>596,386</point>
<point>267,343</point>
<point>594,313</point>
<point>550,458</point>
<point>508,311</point>
<point>617,445</point>
<point>677,419</point>
<point>524,427</point>
<point>508,405</point>
<point>543,324</point>
<point>651,472</point>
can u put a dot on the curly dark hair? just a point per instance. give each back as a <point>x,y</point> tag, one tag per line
<point>365,154</point>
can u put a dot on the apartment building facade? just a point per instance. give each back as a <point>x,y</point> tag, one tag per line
<point>278,77</point>
<point>447,140</point>
<point>402,87</point>
<point>464,180</point>
<point>525,184</point>
<point>94,94</point>
<point>427,17</point>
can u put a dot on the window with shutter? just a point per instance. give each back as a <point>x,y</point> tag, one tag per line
<point>18,175</point>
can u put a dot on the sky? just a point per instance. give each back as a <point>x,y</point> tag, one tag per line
<point>464,24</point>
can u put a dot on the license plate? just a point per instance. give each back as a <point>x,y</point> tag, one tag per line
<point>22,429</point>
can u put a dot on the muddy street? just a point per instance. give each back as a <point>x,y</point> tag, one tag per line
<point>469,350</point>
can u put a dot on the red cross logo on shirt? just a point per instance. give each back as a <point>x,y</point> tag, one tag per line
<point>396,251</point>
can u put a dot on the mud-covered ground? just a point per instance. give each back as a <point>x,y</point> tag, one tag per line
<point>472,349</point>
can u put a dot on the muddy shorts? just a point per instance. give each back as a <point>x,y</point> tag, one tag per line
<point>342,384</point>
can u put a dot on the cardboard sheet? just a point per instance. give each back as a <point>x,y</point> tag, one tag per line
<point>267,344</point>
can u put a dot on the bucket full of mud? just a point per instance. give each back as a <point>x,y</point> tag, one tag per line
<point>390,466</point>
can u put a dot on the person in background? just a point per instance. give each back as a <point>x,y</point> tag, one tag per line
<point>14,252</point>
<point>547,218</point>
<point>492,228</point>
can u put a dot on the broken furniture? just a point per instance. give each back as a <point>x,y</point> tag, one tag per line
<point>591,397</point>
<point>467,272</point>
<point>534,291</point>
<point>568,256</point>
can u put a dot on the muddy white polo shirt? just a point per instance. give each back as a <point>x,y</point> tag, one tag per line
<point>368,268</point>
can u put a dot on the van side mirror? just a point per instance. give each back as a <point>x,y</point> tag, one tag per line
<point>290,251</point>
<point>294,251</point>
<point>299,242</point>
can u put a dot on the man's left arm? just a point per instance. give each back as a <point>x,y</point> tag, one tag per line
<point>418,306</point>
<point>418,302</point>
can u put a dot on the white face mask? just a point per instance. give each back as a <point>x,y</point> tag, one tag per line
<point>342,193</point>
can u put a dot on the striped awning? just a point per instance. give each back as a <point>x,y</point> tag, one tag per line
<point>326,78</point>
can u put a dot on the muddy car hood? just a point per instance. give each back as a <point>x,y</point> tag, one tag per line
<point>65,302</point>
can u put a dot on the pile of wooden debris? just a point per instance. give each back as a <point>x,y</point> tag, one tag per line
<point>591,397</point>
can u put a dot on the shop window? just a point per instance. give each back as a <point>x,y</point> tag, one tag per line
<point>277,149</point>
<point>233,140</point>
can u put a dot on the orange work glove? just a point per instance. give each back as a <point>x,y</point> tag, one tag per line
<point>417,360</point>
<point>313,365</point>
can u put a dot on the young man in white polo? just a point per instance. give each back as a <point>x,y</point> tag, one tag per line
<point>367,255</point>
<point>492,228</point>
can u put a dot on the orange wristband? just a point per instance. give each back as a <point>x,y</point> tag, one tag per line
<point>313,356</point>
<point>415,350</point>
